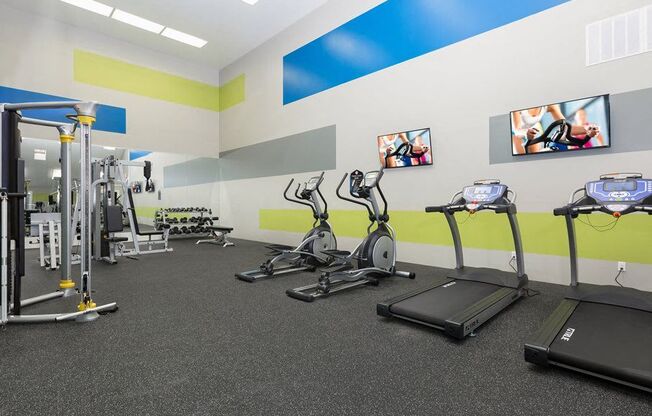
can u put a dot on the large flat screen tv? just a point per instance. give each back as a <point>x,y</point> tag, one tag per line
<point>572,125</point>
<point>405,149</point>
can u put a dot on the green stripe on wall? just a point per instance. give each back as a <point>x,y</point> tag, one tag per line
<point>542,233</point>
<point>102,71</point>
<point>232,93</point>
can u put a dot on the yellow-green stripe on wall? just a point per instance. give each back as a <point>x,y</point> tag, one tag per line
<point>232,93</point>
<point>543,233</point>
<point>106,72</point>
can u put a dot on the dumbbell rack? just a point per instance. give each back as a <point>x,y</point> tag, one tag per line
<point>190,225</point>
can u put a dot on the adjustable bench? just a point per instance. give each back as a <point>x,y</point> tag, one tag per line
<point>219,236</point>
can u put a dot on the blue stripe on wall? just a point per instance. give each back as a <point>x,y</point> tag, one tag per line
<point>137,154</point>
<point>109,118</point>
<point>391,33</point>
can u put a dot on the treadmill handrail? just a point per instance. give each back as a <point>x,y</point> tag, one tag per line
<point>508,208</point>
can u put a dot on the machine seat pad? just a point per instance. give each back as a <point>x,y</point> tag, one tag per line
<point>218,228</point>
<point>148,233</point>
<point>116,239</point>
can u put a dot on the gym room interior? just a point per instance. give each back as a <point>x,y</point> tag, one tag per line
<point>325,207</point>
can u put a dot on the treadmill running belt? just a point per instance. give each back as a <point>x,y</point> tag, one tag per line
<point>608,340</point>
<point>439,304</point>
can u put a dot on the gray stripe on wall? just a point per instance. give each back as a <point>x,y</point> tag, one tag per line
<point>629,117</point>
<point>192,172</point>
<point>309,151</point>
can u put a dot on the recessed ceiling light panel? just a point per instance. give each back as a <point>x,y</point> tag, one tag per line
<point>184,37</point>
<point>137,21</point>
<point>252,2</point>
<point>91,6</point>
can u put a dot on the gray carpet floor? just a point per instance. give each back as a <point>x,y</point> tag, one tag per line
<point>189,339</point>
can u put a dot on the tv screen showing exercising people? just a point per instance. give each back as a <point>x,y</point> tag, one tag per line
<point>571,125</point>
<point>405,149</point>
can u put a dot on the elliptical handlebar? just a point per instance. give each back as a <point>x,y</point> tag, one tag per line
<point>339,195</point>
<point>297,201</point>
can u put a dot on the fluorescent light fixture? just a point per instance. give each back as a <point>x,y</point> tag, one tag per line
<point>184,37</point>
<point>252,2</point>
<point>40,154</point>
<point>109,148</point>
<point>56,173</point>
<point>139,22</point>
<point>91,6</point>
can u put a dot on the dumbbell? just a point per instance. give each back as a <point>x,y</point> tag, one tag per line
<point>174,230</point>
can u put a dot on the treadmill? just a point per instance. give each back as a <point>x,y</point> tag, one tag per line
<point>468,296</point>
<point>603,331</point>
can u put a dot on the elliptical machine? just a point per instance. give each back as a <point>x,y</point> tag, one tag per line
<point>557,133</point>
<point>372,259</point>
<point>313,249</point>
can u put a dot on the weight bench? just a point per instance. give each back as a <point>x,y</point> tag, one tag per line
<point>219,236</point>
<point>150,244</point>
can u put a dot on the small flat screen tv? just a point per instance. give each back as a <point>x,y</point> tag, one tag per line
<point>405,149</point>
<point>567,126</point>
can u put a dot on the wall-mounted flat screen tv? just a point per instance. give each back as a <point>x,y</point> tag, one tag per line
<point>405,149</point>
<point>572,125</point>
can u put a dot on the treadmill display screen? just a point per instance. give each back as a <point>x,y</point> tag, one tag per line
<point>620,186</point>
<point>484,194</point>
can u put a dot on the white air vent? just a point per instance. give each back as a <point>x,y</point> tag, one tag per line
<point>619,36</point>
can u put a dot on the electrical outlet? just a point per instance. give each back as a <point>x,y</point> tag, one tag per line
<point>622,266</point>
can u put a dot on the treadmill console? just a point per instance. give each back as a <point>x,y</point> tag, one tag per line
<point>618,194</point>
<point>476,196</point>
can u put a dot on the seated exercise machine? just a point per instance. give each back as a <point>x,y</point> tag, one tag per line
<point>12,219</point>
<point>468,296</point>
<point>557,133</point>
<point>603,331</point>
<point>312,251</point>
<point>372,259</point>
<point>109,237</point>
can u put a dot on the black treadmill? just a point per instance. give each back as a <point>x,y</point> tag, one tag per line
<point>604,331</point>
<point>468,296</point>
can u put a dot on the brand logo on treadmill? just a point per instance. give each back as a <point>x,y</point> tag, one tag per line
<point>449,284</point>
<point>569,333</point>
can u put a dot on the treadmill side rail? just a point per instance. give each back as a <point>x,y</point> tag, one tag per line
<point>536,350</point>
<point>384,308</point>
<point>471,318</point>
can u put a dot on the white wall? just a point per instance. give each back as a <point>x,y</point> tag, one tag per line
<point>36,54</point>
<point>455,91</point>
<point>204,195</point>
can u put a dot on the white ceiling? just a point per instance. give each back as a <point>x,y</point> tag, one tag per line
<point>231,27</point>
